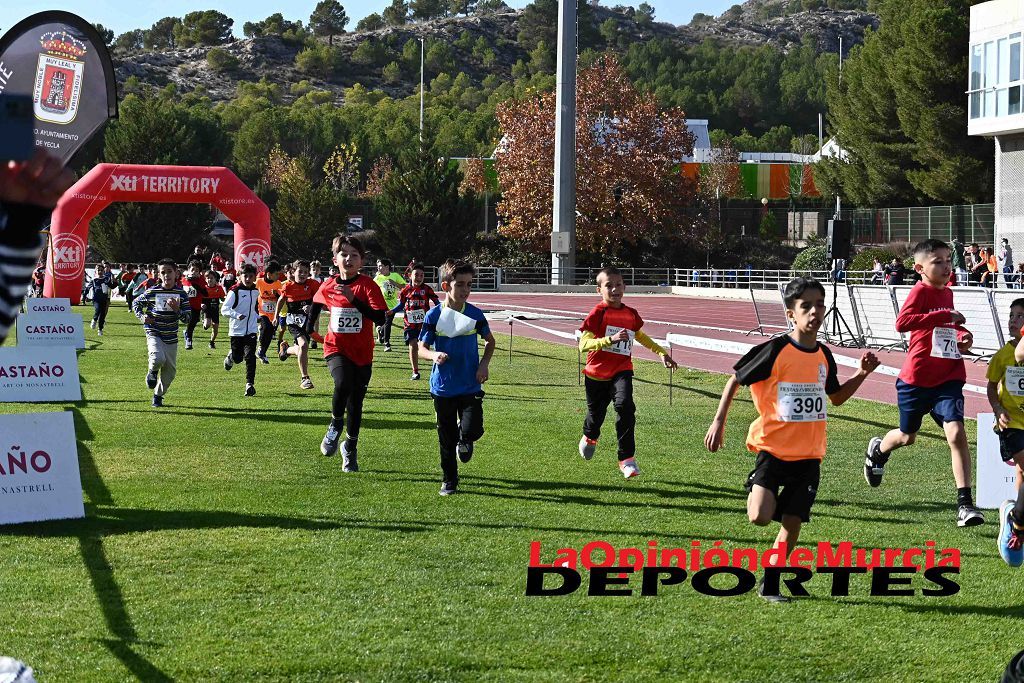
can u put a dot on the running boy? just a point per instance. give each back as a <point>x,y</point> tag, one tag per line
<point>355,304</point>
<point>269,285</point>
<point>607,337</point>
<point>99,291</point>
<point>242,308</point>
<point>932,379</point>
<point>415,299</point>
<point>294,306</point>
<point>211,305</point>
<point>195,286</point>
<point>161,309</point>
<point>1006,396</point>
<point>390,284</point>
<point>450,337</point>
<point>789,378</point>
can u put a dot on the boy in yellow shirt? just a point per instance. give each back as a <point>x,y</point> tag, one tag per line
<point>1006,396</point>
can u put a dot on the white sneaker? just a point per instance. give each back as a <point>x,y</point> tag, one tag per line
<point>629,468</point>
<point>415,376</point>
<point>92,324</point>
<point>587,447</point>
<point>99,333</point>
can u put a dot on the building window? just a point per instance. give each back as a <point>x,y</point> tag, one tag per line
<point>995,78</point>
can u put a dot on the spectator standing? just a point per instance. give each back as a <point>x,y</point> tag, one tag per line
<point>1006,262</point>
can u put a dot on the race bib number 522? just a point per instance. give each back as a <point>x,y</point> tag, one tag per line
<point>346,320</point>
<point>801,402</point>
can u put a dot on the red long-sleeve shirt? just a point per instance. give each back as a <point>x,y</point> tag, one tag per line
<point>925,309</point>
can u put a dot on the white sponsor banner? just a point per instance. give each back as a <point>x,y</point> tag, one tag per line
<point>995,480</point>
<point>38,374</point>
<point>51,329</point>
<point>33,306</point>
<point>39,477</point>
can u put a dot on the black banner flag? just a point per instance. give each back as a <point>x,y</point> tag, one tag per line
<point>60,60</point>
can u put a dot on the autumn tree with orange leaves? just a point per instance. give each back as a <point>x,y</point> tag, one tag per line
<point>628,185</point>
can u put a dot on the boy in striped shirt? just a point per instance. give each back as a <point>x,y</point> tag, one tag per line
<point>161,309</point>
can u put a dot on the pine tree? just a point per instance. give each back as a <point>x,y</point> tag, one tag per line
<point>328,19</point>
<point>421,214</point>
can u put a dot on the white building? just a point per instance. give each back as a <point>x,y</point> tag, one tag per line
<point>994,108</point>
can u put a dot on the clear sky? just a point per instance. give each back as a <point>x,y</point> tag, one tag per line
<point>125,15</point>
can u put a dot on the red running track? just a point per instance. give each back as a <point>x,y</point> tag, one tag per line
<point>665,314</point>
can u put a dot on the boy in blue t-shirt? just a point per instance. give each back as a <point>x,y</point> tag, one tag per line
<point>450,338</point>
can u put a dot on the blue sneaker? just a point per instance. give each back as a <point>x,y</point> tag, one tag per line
<point>1011,541</point>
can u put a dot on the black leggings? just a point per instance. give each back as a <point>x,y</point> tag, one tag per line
<point>350,384</point>
<point>619,390</point>
<point>99,307</point>
<point>267,330</point>
<point>193,319</point>
<point>245,348</point>
<point>459,418</point>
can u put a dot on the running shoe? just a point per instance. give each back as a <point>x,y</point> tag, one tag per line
<point>449,488</point>
<point>263,358</point>
<point>158,401</point>
<point>212,345</point>
<point>587,447</point>
<point>1010,540</point>
<point>415,376</point>
<point>629,468</point>
<point>777,598</point>
<point>348,456</point>
<point>465,450</point>
<point>99,332</point>
<point>282,350</point>
<point>188,344</point>
<point>250,390</point>
<point>329,446</point>
<point>306,383</point>
<point>874,463</point>
<point>228,362</point>
<point>969,515</point>
<point>151,379</point>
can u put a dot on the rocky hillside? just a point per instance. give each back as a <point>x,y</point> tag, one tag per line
<point>274,59</point>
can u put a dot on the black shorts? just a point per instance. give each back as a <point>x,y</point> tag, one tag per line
<point>1011,442</point>
<point>298,332</point>
<point>212,312</point>
<point>411,334</point>
<point>798,479</point>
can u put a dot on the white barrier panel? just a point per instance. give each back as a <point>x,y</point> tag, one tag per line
<point>876,316</point>
<point>39,374</point>
<point>51,329</point>
<point>994,479</point>
<point>39,477</point>
<point>771,316</point>
<point>33,306</point>
<point>1001,300</point>
<point>974,303</point>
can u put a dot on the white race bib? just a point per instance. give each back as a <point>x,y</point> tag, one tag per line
<point>191,292</point>
<point>297,319</point>
<point>415,317</point>
<point>268,306</point>
<point>801,402</point>
<point>162,304</point>
<point>346,320</point>
<point>944,343</point>
<point>622,348</point>
<point>105,289</point>
<point>1015,381</point>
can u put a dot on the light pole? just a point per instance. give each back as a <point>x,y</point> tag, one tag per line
<point>563,233</point>
<point>422,61</point>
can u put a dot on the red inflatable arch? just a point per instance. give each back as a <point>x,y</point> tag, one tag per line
<point>107,183</point>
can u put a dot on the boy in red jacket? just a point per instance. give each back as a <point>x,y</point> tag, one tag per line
<point>195,286</point>
<point>933,375</point>
<point>608,335</point>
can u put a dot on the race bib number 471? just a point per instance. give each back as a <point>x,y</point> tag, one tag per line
<point>801,402</point>
<point>346,320</point>
<point>622,348</point>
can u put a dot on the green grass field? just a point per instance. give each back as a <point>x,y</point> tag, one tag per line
<point>220,545</point>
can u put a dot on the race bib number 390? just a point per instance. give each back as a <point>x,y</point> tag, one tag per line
<point>622,348</point>
<point>346,320</point>
<point>801,402</point>
<point>944,343</point>
<point>1015,381</point>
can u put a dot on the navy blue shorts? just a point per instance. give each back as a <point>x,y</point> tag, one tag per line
<point>945,403</point>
